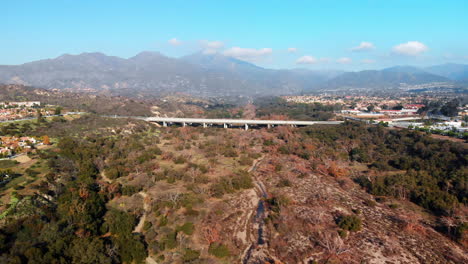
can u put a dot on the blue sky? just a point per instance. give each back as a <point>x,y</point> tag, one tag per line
<point>316,34</point>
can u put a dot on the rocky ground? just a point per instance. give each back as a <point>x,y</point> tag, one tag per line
<point>291,214</point>
<point>305,229</point>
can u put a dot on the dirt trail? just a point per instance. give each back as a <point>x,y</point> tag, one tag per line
<point>103,175</point>
<point>146,208</point>
<point>150,260</point>
<point>257,222</point>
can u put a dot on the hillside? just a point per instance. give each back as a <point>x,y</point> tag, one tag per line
<point>175,105</point>
<point>452,71</point>
<point>115,190</point>
<point>387,78</point>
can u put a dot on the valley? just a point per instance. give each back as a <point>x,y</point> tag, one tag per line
<point>234,132</point>
<point>214,195</point>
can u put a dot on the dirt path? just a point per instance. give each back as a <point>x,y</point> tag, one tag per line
<point>146,208</point>
<point>150,260</point>
<point>141,224</point>
<point>103,175</point>
<point>257,222</point>
<point>22,158</point>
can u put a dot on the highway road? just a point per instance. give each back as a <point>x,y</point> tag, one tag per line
<point>208,121</point>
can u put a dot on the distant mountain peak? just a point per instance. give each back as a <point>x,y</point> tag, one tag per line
<point>83,55</point>
<point>404,69</point>
<point>454,71</point>
<point>217,61</point>
<point>152,73</point>
<point>148,54</point>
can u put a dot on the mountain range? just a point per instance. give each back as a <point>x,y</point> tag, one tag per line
<point>151,73</point>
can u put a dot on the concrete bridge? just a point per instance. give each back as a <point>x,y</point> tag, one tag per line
<point>245,123</point>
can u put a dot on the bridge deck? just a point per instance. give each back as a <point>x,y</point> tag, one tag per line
<point>238,121</point>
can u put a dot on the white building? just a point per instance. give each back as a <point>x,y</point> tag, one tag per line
<point>27,104</point>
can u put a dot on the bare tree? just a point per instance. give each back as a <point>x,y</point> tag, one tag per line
<point>173,197</point>
<point>198,189</point>
<point>332,242</point>
<point>193,173</point>
<point>448,222</point>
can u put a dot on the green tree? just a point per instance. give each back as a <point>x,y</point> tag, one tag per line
<point>40,118</point>
<point>58,111</point>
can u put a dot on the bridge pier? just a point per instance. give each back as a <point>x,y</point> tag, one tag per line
<point>184,124</point>
<point>164,124</point>
<point>225,125</point>
<point>269,126</point>
<point>204,125</point>
<point>246,127</point>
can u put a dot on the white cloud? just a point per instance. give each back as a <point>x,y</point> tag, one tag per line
<point>211,47</point>
<point>410,48</point>
<point>364,46</point>
<point>368,61</point>
<point>247,54</point>
<point>307,60</point>
<point>292,50</point>
<point>311,60</point>
<point>344,60</point>
<point>214,44</point>
<point>174,42</point>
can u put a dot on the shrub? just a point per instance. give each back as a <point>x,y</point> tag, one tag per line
<point>190,255</point>
<point>284,183</point>
<point>8,163</point>
<point>187,228</point>
<point>218,250</point>
<point>370,203</point>
<point>460,232</point>
<point>32,173</point>
<point>155,151</point>
<point>284,150</point>
<point>180,160</point>
<point>203,179</point>
<point>278,167</point>
<point>112,173</point>
<point>350,223</point>
<point>190,199</point>
<point>217,190</point>
<point>203,168</point>
<point>242,181</point>
<point>170,241</point>
<point>245,160</point>
<point>130,190</point>
<point>342,233</point>
<point>147,226</point>
<point>191,212</point>
<point>163,221</point>
<point>154,247</point>
<point>230,152</point>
